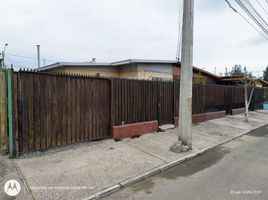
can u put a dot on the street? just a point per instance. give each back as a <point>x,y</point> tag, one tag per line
<point>235,170</point>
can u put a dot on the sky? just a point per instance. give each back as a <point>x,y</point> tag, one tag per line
<point>112,30</point>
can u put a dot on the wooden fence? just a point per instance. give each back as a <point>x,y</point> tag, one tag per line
<point>53,110</point>
<point>265,94</point>
<point>133,101</point>
<point>3,115</point>
<point>139,100</point>
<point>260,95</point>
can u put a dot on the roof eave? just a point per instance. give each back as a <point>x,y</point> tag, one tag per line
<point>72,64</point>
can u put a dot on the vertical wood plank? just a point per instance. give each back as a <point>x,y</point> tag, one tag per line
<point>30,112</point>
<point>49,111</point>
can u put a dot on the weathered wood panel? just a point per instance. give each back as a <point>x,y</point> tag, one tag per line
<point>139,100</point>
<point>166,107</point>
<point>55,110</point>
<point>133,101</point>
<point>265,94</point>
<point>3,114</point>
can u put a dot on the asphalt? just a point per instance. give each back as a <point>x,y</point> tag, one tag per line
<point>235,170</point>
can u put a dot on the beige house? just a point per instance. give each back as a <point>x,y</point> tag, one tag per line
<point>234,80</point>
<point>133,68</point>
<point>261,83</point>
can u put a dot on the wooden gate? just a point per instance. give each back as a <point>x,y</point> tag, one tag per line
<point>165,103</point>
<point>55,110</point>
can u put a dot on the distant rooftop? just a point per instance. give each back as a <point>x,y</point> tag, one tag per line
<point>129,61</point>
<point>118,63</point>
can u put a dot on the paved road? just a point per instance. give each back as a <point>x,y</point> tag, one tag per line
<point>236,170</point>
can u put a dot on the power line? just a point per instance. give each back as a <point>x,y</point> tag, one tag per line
<point>178,53</point>
<point>21,63</point>
<point>263,21</point>
<point>262,7</point>
<point>257,13</point>
<point>253,14</point>
<point>28,57</point>
<point>230,5</point>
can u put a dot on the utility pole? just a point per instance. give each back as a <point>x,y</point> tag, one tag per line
<point>38,55</point>
<point>226,72</point>
<point>3,56</point>
<point>184,142</point>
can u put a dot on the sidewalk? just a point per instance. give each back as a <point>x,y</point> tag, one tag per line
<point>81,170</point>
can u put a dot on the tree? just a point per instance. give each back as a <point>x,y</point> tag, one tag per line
<point>200,79</point>
<point>237,70</point>
<point>248,84</point>
<point>265,74</point>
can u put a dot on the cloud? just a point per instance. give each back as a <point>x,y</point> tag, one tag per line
<point>110,30</point>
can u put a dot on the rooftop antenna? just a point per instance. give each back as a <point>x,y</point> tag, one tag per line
<point>93,60</point>
<point>226,71</point>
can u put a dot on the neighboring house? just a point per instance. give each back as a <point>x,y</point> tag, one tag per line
<point>261,83</point>
<point>234,80</point>
<point>132,69</point>
<point>199,75</point>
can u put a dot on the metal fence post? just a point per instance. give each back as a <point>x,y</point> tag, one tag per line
<point>158,104</point>
<point>10,113</point>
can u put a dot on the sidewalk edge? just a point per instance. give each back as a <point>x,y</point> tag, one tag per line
<point>23,179</point>
<point>161,168</point>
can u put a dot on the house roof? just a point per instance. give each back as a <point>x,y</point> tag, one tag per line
<point>129,61</point>
<point>72,64</point>
<point>206,72</point>
<point>119,63</point>
<point>236,78</point>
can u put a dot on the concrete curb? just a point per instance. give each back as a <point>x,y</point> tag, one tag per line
<point>23,180</point>
<point>161,168</point>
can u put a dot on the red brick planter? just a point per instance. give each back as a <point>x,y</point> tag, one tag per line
<point>203,117</point>
<point>138,129</point>
<point>238,111</point>
<point>132,130</point>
